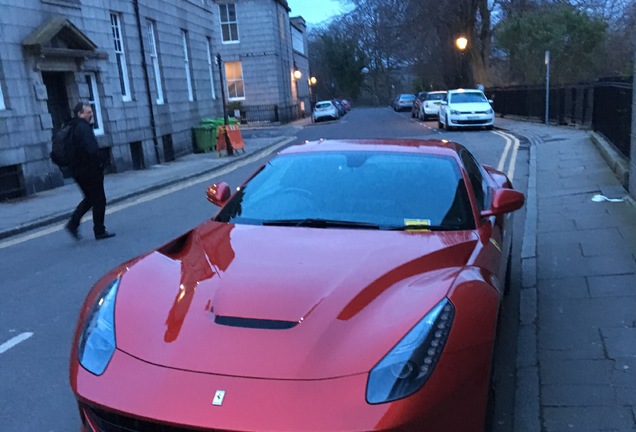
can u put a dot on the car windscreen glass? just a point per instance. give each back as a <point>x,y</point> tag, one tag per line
<point>380,189</point>
<point>435,96</point>
<point>468,97</point>
<point>407,97</point>
<point>323,105</point>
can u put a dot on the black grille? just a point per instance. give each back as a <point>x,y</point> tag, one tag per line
<point>107,421</point>
<point>472,122</point>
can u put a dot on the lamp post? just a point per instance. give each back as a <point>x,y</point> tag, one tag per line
<point>297,74</point>
<point>461,43</point>
<point>312,82</point>
<point>219,62</point>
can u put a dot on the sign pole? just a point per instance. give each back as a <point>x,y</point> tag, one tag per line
<point>547,88</point>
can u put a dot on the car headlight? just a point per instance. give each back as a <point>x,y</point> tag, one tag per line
<point>97,341</point>
<point>490,111</point>
<point>454,112</point>
<point>405,369</point>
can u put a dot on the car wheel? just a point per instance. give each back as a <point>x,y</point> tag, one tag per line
<point>424,117</point>
<point>489,127</point>
<point>440,125</point>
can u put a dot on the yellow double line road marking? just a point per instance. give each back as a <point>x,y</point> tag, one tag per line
<point>513,143</point>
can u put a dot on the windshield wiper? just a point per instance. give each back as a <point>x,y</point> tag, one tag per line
<point>320,223</point>
<point>424,227</point>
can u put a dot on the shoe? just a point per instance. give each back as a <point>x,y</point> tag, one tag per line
<point>104,235</point>
<point>73,231</point>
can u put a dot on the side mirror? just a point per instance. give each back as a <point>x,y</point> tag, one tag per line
<point>504,201</point>
<point>490,101</point>
<point>218,193</point>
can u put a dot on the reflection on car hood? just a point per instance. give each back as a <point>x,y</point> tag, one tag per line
<point>472,106</point>
<point>281,302</point>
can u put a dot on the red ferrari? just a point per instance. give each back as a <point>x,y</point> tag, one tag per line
<point>346,286</point>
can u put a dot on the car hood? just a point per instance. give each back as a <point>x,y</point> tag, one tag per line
<point>281,302</point>
<point>470,107</point>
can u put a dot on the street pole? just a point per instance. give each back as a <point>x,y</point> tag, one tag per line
<point>219,61</point>
<point>632,159</point>
<point>547,87</point>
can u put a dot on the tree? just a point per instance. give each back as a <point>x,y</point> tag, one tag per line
<point>337,62</point>
<point>569,34</point>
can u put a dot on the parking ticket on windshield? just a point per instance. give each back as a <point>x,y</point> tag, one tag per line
<point>418,224</point>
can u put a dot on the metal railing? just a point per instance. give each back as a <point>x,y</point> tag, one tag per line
<point>605,106</point>
<point>269,113</point>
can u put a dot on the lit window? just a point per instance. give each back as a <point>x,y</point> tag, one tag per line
<point>234,77</point>
<point>186,61</point>
<point>93,101</point>
<point>211,67</point>
<point>229,23</point>
<point>152,45</point>
<point>120,57</point>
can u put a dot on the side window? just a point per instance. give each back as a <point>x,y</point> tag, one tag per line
<point>477,180</point>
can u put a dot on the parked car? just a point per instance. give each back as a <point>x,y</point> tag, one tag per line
<point>326,110</point>
<point>346,104</point>
<point>430,105</point>
<point>465,108</point>
<point>403,101</point>
<point>358,279</point>
<point>341,108</point>
<point>415,109</point>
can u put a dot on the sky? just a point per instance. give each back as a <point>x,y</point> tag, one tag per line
<point>315,11</point>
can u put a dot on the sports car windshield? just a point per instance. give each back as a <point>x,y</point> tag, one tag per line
<point>355,190</point>
<point>468,97</point>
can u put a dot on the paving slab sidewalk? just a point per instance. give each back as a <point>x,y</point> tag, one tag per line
<point>576,368</point>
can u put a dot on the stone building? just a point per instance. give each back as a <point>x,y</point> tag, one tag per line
<point>148,68</point>
<point>255,42</point>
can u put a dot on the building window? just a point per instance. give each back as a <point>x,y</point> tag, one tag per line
<point>2,105</point>
<point>298,42</point>
<point>93,101</point>
<point>234,77</point>
<point>152,45</point>
<point>211,61</point>
<point>120,55</point>
<point>186,62</point>
<point>229,23</point>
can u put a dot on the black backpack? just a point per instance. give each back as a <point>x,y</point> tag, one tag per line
<point>63,152</point>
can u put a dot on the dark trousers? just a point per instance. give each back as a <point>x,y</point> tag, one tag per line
<point>92,185</point>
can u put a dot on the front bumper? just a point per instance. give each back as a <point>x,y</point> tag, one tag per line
<point>133,395</point>
<point>471,120</point>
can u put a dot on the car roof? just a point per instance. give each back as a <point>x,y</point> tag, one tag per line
<point>437,92</point>
<point>419,146</point>
<point>465,91</point>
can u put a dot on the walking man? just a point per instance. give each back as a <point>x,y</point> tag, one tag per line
<point>87,170</point>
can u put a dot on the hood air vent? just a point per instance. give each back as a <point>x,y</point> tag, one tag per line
<point>254,323</point>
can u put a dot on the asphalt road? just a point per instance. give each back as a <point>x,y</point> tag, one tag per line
<point>44,280</point>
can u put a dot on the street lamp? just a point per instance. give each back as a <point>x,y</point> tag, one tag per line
<point>461,43</point>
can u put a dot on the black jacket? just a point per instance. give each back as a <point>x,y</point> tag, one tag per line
<point>88,157</point>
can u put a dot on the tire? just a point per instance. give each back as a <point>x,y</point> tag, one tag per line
<point>489,127</point>
<point>440,125</point>
<point>424,117</point>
